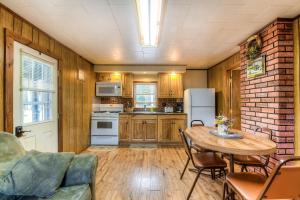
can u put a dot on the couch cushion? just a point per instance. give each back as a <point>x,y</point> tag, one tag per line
<point>81,170</point>
<point>79,192</point>
<point>35,174</point>
<point>10,147</point>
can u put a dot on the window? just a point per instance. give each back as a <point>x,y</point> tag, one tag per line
<point>145,94</point>
<point>37,88</point>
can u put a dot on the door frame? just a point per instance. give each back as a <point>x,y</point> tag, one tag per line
<point>229,98</point>
<point>9,38</point>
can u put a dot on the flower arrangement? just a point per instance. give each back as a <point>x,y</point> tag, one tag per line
<point>223,124</point>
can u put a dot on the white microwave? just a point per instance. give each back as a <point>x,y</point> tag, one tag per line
<point>108,89</point>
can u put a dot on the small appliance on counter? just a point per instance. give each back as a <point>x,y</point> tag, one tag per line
<point>168,109</point>
<point>179,107</point>
<point>105,124</point>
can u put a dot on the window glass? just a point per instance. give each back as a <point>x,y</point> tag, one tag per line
<point>145,95</point>
<point>37,89</point>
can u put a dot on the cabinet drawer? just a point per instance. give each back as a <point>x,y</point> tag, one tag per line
<point>144,117</point>
<point>124,116</point>
<point>171,117</point>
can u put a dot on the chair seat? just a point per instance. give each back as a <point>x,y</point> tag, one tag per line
<point>244,160</point>
<point>208,160</point>
<point>200,149</point>
<point>249,185</point>
<point>247,160</point>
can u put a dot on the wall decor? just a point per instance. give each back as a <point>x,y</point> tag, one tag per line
<point>256,67</point>
<point>254,45</point>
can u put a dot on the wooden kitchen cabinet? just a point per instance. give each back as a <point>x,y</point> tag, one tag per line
<point>170,86</point>
<point>168,126</point>
<point>127,85</point>
<point>164,86</point>
<point>108,77</point>
<point>137,130</point>
<point>125,128</point>
<point>144,128</point>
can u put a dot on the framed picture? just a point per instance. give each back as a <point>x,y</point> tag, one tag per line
<point>256,67</point>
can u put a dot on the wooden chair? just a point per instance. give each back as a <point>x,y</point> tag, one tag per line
<point>195,123</point>
<point>284,183</point>
<point>200,160</point>
<point>251,161</point>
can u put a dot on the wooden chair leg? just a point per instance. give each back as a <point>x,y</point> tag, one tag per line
<point>225,191</point>
<point>213,174</point>
<point>186,164</point>
<point>193,186</point>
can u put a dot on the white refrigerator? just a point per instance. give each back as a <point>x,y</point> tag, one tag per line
<point>199,104</point>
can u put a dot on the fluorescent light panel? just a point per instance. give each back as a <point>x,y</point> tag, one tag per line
<point>149,14</point>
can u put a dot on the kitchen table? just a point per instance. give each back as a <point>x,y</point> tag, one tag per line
<point>249,145</point>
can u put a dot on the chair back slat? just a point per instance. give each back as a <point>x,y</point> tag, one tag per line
<point>264,132</point>
<point>197,123</point>
<point>284,183</point>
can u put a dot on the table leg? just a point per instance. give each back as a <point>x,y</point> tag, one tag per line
<point>231,171</point>
<point>231,163</point>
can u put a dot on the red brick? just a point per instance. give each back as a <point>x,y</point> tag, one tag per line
<point>268,89</point>
<point>268,110</point>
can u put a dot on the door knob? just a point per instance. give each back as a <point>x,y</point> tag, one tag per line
<point>19,131</point>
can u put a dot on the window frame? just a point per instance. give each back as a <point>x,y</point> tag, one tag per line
<point>145,83</point>
<point>22,88</point>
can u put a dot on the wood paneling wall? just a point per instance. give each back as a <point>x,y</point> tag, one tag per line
<point>217,78</point>
<point>75,96</point>
<point>296,29</point>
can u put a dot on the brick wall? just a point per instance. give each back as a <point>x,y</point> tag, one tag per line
<point>267,101</point>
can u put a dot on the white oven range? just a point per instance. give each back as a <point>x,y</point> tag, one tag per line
<point>105,124</point>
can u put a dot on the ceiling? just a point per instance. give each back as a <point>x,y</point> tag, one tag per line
<point>196,33</point>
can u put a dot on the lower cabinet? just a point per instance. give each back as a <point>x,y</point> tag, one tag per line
<point>151,128</point>
<point>144,128</point>
<point>168,126</point>
<point>124,128</point>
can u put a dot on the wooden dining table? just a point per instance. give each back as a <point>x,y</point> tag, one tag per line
<point>248,145</point>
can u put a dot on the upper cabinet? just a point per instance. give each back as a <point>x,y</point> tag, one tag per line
<point>127,85</point>
<point>109,77</point>
<point>170,86</point>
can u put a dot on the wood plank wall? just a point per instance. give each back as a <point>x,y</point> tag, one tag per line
<point>75,95</point>
<point>217,78</point>
<point>297,84</point>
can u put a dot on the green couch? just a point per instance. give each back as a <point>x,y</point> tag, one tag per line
<point>79,179</point>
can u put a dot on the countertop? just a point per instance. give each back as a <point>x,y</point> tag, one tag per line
<point>151,113</point>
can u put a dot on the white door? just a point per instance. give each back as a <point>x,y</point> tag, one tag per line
<point>35,99</point>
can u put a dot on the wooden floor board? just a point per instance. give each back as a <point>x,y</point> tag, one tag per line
<point>148,174</point>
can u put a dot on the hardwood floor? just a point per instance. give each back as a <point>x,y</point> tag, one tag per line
<point>148,174</point>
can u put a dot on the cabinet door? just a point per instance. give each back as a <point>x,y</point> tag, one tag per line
<point>177,124</point>
<point>127,85</point>
<point>165,130</point>
<point>103,77</point>
<point>138,130</point>
<point>164,86</point>
<point>115,77</point>
<point>176,86</point>
<point>124,129</point>
<point>150,127</point>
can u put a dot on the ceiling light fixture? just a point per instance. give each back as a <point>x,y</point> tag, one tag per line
<point>149,14</point>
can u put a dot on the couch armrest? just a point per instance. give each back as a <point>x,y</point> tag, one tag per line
<point>82,170</point>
